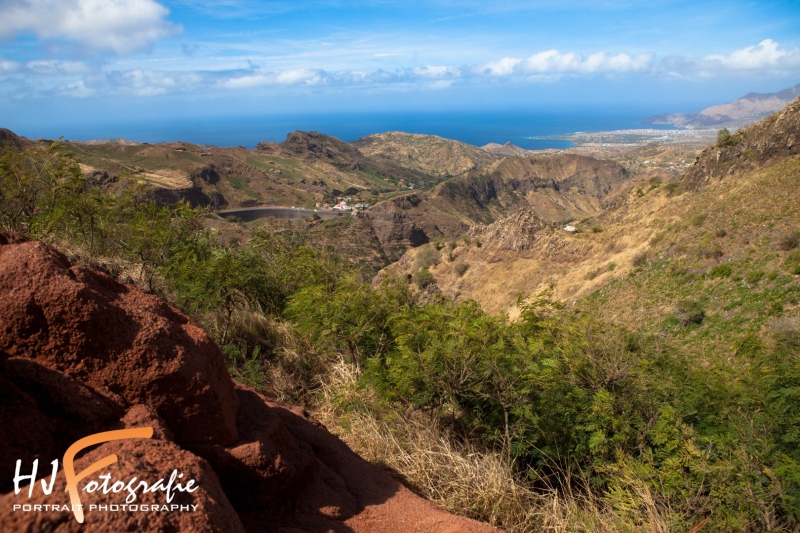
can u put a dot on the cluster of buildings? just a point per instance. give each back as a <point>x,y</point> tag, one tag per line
<point>410,186</point>
<point>344,205</point>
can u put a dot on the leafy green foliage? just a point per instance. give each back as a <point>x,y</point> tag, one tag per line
<point>792,263</point>
<point>721,271</point>
<point>422,278</point>
<point>427,256</point>
<point>33,185</point>
<point>724,138</point>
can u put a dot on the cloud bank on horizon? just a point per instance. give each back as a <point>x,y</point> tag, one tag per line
<point>78,49</point>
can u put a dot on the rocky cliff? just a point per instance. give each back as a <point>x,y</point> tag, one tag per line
<point>553,187</point>
<point>771,139</point>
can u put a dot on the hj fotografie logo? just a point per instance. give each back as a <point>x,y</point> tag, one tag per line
<point>133,487</point>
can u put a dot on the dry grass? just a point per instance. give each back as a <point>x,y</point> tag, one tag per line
<point>461,477</point>
<point>118,268</point>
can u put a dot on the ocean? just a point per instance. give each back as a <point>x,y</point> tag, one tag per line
<point>527,129</point>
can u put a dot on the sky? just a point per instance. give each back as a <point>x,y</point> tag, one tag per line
<point>87,61</point>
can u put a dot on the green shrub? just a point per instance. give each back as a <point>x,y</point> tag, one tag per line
<point>724,138</point>
<point>697,218</point>
<point>460,267</point>
<point>721,271</point>
<point>792,263</point>
<point>427,256</point>
<point>690,312</point>
<point>754,276</point>
<point>422,278</point>
<point>596,229</point>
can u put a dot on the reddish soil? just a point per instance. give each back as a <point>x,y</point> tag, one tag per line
<point>81,354</point>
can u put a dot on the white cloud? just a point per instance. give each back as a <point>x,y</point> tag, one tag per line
<point>765,54</point>
<point>555,62</point>
<point>121,26</point>
<point>286,77</point>
<point>78,79</point>
<point>76,90</point>
<point>56,67</point>
<point>430,71</point>
<point>8,66</point>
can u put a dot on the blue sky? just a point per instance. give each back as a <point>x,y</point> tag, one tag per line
<point>101,60</point>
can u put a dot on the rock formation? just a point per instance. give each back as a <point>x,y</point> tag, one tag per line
<point>774,138</point>
<point>517,232</point>
<point>81,354</point>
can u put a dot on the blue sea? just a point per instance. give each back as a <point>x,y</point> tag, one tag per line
<point>527,129</point>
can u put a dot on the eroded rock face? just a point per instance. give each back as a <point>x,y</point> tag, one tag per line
<point>775,137</point>
<point>82,354</point>
<point>517,232</point>
<point>128,345</point>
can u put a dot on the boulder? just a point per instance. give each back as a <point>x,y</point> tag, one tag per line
<point>118,340</point>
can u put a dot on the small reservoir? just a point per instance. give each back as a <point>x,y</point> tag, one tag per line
<point>248,214</point>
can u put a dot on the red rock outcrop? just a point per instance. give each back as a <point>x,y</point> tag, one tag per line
<point>81,353</point>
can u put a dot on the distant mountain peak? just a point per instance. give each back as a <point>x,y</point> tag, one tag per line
<point>746,110</point>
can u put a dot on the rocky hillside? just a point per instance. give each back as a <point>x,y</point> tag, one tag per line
<point>81,354</point>
<point>746,110</point>
<point>555,188</point>
<point>772,139</point>
<point>725,233</point>
<point>508,149</point>
<point>307,168</point>
<point>427,153</point>
<point>11,141</point>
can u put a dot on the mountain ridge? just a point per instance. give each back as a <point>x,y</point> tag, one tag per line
<point>748,109</point>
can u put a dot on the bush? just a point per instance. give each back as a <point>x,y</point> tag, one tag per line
<point>639,259</point>
<point>710,250</point>
<point>754,276</point>
<point>792,263</point>
<point>422,278</point>
<point>724,138</point>
<point>690,312</point>
<point>427,256</point>
<point>460,267</point>
<point>720,271</point>
<point>697,218</point>
<point>596,229</point>
<point>789,241</point>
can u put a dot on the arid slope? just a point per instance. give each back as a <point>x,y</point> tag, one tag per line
<point>730,225</point>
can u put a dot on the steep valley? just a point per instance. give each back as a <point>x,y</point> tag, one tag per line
<point>724,235</point>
